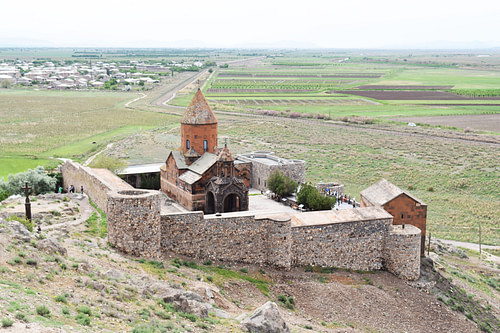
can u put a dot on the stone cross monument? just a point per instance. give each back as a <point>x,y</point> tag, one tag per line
<point>27,203</point>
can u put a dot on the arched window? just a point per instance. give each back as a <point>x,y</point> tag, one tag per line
<point>205,145</point>
<point>187,144</point>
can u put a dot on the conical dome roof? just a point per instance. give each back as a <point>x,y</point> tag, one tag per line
<point>225,155</point>
<point>198,111</point>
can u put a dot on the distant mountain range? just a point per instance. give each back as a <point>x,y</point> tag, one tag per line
<point>284,44</point>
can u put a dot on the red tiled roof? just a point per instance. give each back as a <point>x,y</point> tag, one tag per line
<point>198,111</point>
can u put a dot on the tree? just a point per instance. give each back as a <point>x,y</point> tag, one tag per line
<point>5,84</point>
<point>310,197</point>
<point>37,179</point>
<point>280,184</point>
<point>113,164</point>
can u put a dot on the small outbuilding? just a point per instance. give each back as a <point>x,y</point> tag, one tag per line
<point>404,207</point>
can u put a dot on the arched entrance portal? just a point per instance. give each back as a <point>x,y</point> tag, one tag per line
<point>210,203</point>
<point>231,203</point>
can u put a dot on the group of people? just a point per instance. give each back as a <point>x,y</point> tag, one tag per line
<point>71,189</point>
<point>345,198</point>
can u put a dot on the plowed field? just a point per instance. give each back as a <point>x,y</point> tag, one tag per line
<point>411,95</point>
<point>485,122</point>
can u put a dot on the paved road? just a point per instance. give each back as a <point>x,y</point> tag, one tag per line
<point>167,96</point>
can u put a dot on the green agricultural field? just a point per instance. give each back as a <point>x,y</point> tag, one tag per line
<point>459,78</point>
<point>271,85</point>
<point>39,125</point>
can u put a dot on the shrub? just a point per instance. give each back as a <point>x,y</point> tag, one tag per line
<point>280,184</point>
<point>156,264</point>
<point>65,310</point>
<point>310,197</point>
<point>210,279</point>
<point>27,223</point>
<point>287,302</point>
<point>244,270</point>
<point>144,313</point>
<point>21,316</point>
<point>163,315</point>
<point>84,309</point>
<point>83,319</point>
<point>61,298</point>
<point>18,260</point>
<point>36,178</point>
<point>31,262</point>
<point>4,194</point>
<point>188,316</point>
<point>43,311</point>
<point>7,322</point>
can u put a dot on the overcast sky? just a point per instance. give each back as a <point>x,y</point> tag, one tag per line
<point>219,23</point>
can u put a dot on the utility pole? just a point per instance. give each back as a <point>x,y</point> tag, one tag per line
<point>480,254</point>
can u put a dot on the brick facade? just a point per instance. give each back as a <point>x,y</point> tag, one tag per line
<point>197,134</point>
<point>406,210</point>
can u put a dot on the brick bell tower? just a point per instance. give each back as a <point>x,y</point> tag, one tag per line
<point>198,128</point>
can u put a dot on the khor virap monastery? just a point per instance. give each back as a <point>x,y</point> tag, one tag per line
<point>387,231</point>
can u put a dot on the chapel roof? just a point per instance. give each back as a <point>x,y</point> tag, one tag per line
<point>225,155</point>
<point>198,111</point>
<point>383,191</point>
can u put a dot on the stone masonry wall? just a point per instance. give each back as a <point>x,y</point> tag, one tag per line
<point>134,222</point>
<point>354,245</point>
<point>136,226</point>
<point>78,175</point>
<point>402,251</point>
<point>262,241</point>
<point>295,169</point>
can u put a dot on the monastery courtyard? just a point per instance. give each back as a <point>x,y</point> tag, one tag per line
<point>259,204</point>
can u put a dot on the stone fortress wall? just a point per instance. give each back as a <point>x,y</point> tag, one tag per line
<point>364,240</point>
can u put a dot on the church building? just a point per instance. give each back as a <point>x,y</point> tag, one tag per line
<point>201,176</point>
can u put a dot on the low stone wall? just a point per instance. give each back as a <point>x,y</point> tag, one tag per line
<point>331,187</point>
<point>354,245</point>
<point>134,222</point>
<point>402,251</point>
<point>262,241</point>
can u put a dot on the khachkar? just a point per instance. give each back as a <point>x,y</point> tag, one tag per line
<point>27,203</point>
